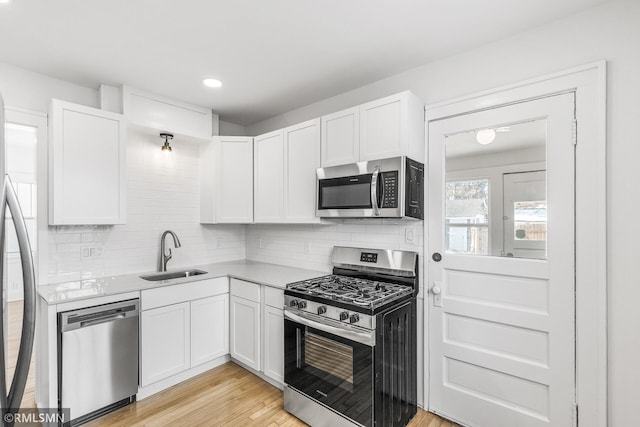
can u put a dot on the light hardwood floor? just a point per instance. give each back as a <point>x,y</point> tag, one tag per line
<point>224,396</point>
<point>14,329</point>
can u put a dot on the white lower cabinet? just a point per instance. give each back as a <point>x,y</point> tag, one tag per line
<point>182,327</point>
<point>245,330</point>
<point>209,328</point>
<point>274,343</point>
<point>165,336</point>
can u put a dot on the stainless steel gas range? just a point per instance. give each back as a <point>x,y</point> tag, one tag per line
<point>350,341</point>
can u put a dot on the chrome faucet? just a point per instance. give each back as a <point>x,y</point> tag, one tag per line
<point>164,259</point>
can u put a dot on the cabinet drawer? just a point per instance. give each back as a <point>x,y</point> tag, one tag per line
<point>274,297</point>
<point>166,295</point>
<point>246,290</point>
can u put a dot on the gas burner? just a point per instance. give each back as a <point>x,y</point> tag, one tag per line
<point>354,290</point>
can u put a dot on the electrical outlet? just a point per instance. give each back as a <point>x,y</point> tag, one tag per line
<point>259,242</point>
<point>91,252</point>
<point>307,248</point>
<point>219,242</point>
<point>409,236</point>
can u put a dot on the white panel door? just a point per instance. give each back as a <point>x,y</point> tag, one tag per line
<point>268,177</point>
<point>234,183</point>
<point>501,329</point>
<point>245,331</point>
<point>209,328</point>
<point>341,137</point>
<point>274,343</point>
<point>302,158</point>
<point>384,127</point>
<point>165,336</point>
<point>87,166</point>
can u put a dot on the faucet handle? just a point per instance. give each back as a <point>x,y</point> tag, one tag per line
<point>168,257</point>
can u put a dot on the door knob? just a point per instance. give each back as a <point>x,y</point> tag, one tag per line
<point>436,290</point>
<point>436,257</point>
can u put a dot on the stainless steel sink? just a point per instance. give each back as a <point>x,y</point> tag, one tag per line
<point>172,275</point>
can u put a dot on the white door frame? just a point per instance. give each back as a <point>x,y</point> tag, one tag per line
<point>38,120</point>
<point>589,84</point>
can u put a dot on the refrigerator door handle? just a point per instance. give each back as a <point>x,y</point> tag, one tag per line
<point>16,391</point>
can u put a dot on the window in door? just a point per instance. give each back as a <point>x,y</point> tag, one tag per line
<point>467,217</point>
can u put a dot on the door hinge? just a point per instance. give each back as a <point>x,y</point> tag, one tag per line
<point>574,132</point>
<point>575,415</point>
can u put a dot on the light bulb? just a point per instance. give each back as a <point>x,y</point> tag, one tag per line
<point>485,136</point>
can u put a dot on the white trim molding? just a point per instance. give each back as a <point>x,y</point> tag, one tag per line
<point>588,82</point>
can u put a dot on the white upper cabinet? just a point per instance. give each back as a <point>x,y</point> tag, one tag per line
<point>392,126</point>
<point>87,165</point>
<point>168,115</point>
<point>387,127</point>
<point>226,180</point>
<point>341,137</point>
<point>268,177</point>
<point>302,158</point>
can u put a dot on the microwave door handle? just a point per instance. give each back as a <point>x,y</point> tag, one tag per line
<point>374,191</point>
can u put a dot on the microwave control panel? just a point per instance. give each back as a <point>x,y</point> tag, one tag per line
<point>389,189</point>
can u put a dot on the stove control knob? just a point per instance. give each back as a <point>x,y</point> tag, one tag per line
<point>302,304</point>
<point>354,318</point>
<point>293,303</point>
<point>344,315</point>
<point>322,309</point>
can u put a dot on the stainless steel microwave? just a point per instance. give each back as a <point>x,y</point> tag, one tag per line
<point>385,188</point>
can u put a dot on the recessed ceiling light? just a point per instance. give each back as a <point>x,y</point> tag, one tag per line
<point>208,81</point>
<point>5,1</point>
<point>485,136</point>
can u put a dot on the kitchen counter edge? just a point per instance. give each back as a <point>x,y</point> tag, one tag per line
<point>273,275</point>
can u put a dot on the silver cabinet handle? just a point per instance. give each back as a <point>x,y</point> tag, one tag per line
<point>374,191</point>
<point>365,338</point>
<point>10,199</point>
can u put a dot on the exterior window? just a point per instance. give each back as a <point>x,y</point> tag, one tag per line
<point>467,217</point>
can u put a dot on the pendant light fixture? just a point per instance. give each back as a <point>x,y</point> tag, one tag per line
<point>167,137</point>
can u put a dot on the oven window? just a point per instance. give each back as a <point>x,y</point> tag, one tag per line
<point>352,195</point>
<point>329,356</point>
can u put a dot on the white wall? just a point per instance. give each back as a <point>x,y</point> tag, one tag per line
<point>32,91</point>
<point>162,193</point>
<point>231,129</point>
<point>609,32</point>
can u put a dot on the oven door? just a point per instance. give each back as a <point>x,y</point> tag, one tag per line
<point>330,365</point>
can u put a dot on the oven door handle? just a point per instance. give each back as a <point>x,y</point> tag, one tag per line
<point>374,191</point>
<point>362,337</point>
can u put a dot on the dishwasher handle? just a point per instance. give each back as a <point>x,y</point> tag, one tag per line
<point>109,318</point>
<point>87,317</point>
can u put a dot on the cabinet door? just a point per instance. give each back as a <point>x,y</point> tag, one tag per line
<point>302,158</point>
<point>384,127</point>
<point>268,177</point>
<point>245,331</point>
<point>209,328</point>
<point>165,336</point>
<point>87,161</point>
<point>274,343</point>
<point>341,137</point>
<point>234,183</point>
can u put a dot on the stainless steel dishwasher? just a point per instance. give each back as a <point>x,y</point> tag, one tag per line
<point>98,359</point>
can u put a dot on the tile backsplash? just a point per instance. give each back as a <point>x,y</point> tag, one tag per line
<point>162,193</point>
<point>309,246</point>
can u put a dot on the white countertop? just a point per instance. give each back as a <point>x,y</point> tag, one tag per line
<point>252,271</point>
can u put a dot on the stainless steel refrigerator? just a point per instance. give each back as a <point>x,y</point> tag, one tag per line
<point>10,399</point>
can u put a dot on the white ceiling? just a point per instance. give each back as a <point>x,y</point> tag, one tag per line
<point>272,55</point>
